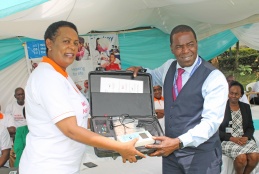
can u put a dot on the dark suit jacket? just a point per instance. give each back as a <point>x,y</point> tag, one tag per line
<point>248,126</point>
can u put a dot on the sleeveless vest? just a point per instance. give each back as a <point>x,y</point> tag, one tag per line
<point>185,112</point>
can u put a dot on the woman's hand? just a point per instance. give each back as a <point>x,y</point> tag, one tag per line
<point>128,151</point>
<point>239,140</point>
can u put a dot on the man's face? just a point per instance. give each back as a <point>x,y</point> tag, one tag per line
<point>185,48</point>
<point>20,96</point>
<point>157,92</point>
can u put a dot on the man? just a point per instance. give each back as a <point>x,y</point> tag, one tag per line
<point>15,110</point>
<point>255,97</point>
<point>159,105</point>
<point>5,145</point>
<point>194,108</point>
<point>230,79</point>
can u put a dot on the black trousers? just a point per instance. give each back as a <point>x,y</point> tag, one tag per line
<point>198,163</point>
<point>255,101</point>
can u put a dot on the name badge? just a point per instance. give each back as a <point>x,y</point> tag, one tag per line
<point>229,130</point>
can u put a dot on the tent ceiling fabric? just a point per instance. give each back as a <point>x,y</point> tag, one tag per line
<point>207,17</point>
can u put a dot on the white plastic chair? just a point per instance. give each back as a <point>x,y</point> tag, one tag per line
<point>249,87</point>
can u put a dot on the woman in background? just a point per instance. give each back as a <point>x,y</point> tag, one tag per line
<point>236,132</point>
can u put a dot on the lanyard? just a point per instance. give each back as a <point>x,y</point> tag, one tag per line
<point>193,70</point>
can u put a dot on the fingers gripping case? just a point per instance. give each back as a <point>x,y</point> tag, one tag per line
<point>122,105</point>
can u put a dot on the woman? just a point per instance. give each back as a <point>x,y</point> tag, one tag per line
<point>236,132</point>
<point>57,112</point>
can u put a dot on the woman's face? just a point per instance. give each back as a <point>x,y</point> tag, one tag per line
<point>63,48</point>
<point>234,94</point>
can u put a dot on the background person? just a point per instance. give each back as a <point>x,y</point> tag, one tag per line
<point>57,112</point>
<point>243,98</point>
<point>20,141</point>
<point>236,132</point>
<point>5,146</point>
<point>15,110</point>
<point>159,105</point>
<point>191,143</point>
<point>255,97</point>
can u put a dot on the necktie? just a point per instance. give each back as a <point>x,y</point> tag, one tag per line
<point>178,83</point>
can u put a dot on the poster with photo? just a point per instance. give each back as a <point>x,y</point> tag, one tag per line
<point>34,51</point>
<point>93,51</point>
<point>104,51</point>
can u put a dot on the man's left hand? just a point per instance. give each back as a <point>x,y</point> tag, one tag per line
<point>166,146</point>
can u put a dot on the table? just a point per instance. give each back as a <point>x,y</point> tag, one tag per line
<point>148,165</point>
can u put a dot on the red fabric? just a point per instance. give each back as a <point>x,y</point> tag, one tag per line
<point>112,66</point>
<point>178,82</point>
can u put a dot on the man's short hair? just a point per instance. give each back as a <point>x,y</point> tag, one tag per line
<point>180,29</point>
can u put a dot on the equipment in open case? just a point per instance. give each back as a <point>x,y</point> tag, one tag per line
<point>122,108</point>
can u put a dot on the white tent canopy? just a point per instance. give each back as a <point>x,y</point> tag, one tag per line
<point>207,17</point>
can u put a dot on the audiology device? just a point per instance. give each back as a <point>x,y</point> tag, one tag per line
<point>144,138</point>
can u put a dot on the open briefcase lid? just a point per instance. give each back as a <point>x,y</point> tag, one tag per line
<point>116,93</point>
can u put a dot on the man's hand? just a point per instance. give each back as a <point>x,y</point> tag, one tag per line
<point>135,70</point>
<point>166,147</point>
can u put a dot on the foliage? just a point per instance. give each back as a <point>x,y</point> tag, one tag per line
<point>244,69</point>
<point>242,52</point>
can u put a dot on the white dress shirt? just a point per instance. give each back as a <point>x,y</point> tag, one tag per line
<point>215,93</point>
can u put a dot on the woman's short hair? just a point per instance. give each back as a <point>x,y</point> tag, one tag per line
<point>236,83</point>
<point>52,30</point>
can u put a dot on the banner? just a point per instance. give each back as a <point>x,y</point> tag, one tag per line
<point>34,51</point>
<point>102,47</point>
<point>93,51</point>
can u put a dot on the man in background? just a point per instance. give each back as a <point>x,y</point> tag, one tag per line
<point>15,110</point>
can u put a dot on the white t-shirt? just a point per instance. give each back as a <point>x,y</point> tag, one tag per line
<point>7,121</point>
<point>159,104</point>
<point>5,141</point>
<point>15,110</point>
<point>51,97</point>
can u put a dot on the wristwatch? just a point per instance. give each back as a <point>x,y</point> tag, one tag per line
<point>180,144</point>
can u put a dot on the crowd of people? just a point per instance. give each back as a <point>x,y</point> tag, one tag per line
<point>201,111</point>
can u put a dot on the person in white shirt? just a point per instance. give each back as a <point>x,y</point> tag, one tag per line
<point>57,112</point>
<point>159,105</point>
<point>15,108</point>
<point>195,96</point>
<point>254,97</point>
<point>243,98</point>
<point>5,145</point>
